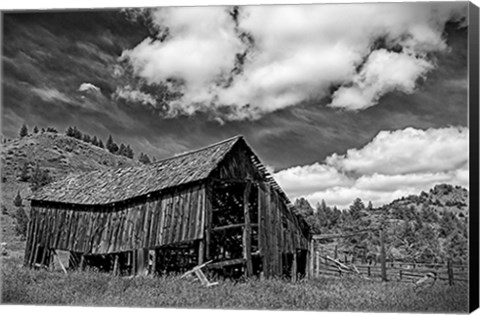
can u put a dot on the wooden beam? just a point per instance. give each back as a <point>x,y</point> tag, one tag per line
<point>311,259</point>
<point>82,262</point>
<point>232,226</point>
<point>383,259</point>
<point>116,265</point>
<point>294,266</point>
<point>267,255</point>
<point>247,232</point>
<point>329,236</point>
<point>201,251</point>
<point>225,263</point>
<point>60,262</point>
<point>208,219</point>
<point>235,181</point>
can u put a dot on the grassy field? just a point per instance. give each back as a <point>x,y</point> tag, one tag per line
<point>23,286</point>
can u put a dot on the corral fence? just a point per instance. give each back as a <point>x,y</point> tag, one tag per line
<point>327,260</point>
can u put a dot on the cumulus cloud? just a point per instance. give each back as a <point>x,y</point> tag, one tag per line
<point>383,72</point>
<point>89,87</point>
<point>132,95</point>
<point>258,59</point>
<point>393,164</point>
<point>199,51</point>
<point>407,151</point>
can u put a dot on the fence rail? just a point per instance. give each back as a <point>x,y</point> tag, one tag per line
<point>375,265</point>
<point>394,270</point>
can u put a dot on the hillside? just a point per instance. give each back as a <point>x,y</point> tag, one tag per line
<point>54,153</point>
<point>431,226</point>
<point>440,198</point>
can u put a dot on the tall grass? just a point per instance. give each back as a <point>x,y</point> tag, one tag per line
<point>23,286</point>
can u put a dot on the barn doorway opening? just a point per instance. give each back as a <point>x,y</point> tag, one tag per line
<point>231,229</point>
<point>177,258</point>
<point>302,260</point>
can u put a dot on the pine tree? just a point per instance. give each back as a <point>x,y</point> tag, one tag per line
<point>35,130</point>
<point>95,141</point>
<point>122,150</point>
<point>370,206</point>
<point>356,209</point>
<point>100,144</point>
<point>22,221</point>
<point>24,174</point>
<point>23,131</point>
<point>86,138</point>
<point>77,133</point>
<point>109,142</point>
<point>17,202</point>
<point>70,132</point>
<point>130,153</point>
<point>111,145</point>
<point>143,158</point>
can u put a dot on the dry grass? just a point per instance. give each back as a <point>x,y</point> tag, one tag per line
<point>23,286</point>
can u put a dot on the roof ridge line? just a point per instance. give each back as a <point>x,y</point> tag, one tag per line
<point>197,150</point>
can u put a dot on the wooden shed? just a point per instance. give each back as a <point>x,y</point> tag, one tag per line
<point>215,204</point>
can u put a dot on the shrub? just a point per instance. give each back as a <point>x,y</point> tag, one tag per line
<point>39,178</point>
<point>17,202</point>
<point>24,174</point>
<point>22,221</point>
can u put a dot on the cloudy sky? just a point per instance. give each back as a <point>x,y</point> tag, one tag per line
<point>340,101</point>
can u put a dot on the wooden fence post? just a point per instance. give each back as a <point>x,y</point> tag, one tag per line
<point>318,264</point>
<point>312,259</point>
<point>382,255</point>
<point>450,272</point>
<point>82,262</point>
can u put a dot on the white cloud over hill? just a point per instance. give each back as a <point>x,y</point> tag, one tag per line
<point>393,164</point>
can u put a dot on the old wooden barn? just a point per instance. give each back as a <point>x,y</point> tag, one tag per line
<point>217,203</point>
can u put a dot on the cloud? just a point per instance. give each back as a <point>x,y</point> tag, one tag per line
<point>90,88</point>
<point>51,94</point>
<point>308,179</point>
<point>407,151</point>
<point>258,59</point>
<point>199,51</point>
<point>393,164</point>
<point>132,95</point>
<point>383,72</point>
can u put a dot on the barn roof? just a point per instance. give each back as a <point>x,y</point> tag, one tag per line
<point>114,185</point>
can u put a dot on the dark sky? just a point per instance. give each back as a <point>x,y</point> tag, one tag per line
<point>47,56</point>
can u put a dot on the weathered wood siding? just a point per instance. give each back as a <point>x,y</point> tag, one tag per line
<point>237,165</point>
<point>173,217</point>
<point>279,231</point>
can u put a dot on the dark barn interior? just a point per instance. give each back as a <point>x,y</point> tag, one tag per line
<point>216,204</point>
